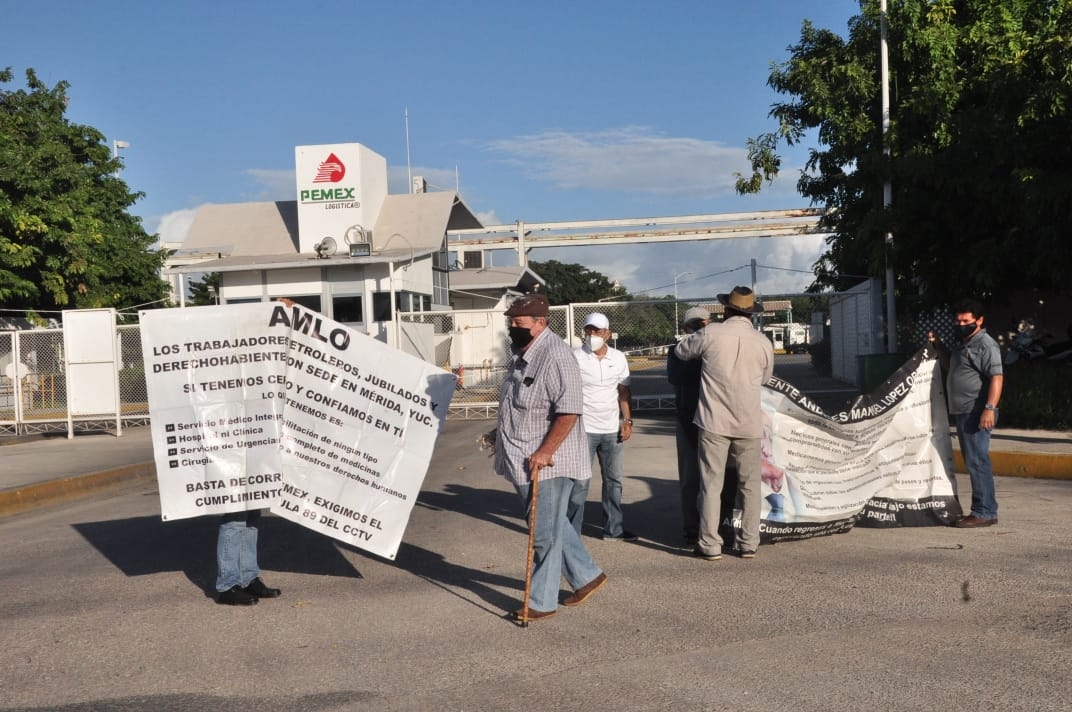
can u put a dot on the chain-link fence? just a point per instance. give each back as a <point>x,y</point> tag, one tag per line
<point>33,384</point>
<point>9,392</point>
<point>474,345</point>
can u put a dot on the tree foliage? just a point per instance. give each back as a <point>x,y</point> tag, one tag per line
<point>205,291</point>
<point>568,283</point>
<point>979,156</point>
<point>66,238</point>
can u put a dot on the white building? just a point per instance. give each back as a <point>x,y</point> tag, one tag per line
<point>344,247</point>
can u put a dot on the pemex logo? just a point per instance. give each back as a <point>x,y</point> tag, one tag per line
<point>331,170</point>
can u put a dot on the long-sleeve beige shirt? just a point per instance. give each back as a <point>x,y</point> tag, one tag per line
<point>737,361</point>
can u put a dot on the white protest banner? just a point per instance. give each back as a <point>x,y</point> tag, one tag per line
<point>886,461</point>
<point>270,406</point>
<point>359,425</point>
<point>212,374</point>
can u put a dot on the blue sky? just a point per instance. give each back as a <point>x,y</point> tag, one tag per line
<point>541,111</point>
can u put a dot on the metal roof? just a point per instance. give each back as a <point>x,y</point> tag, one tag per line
<point>507,277</point>
<point>769,307</point>
<point>245,236</point>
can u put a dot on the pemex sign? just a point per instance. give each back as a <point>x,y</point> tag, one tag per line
<point>338,186</point>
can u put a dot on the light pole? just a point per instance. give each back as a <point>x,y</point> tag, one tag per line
<point>677,322</point>
<point>116,145</point>
<point>887,187</point>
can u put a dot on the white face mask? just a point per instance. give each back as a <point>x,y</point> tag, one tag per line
<point>595,342</point>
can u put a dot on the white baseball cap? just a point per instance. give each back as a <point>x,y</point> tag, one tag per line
<point>597,320</point>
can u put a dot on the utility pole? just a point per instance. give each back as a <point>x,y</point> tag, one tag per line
<point>116,145</point>
<point>887,188</point>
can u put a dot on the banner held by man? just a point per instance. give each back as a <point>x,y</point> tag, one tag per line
<point>271,406</point>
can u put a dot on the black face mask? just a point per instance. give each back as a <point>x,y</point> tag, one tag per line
<point>520,337</point>
<point>965,330</point>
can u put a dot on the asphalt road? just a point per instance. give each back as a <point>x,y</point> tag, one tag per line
<point>105,607</point>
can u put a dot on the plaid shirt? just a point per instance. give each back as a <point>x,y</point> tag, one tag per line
<point>542,382</point>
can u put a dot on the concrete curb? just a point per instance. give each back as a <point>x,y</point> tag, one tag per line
<point>1050,466</point>
<point>69,488</point>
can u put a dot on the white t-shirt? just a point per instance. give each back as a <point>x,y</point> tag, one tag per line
<point>600,378</point>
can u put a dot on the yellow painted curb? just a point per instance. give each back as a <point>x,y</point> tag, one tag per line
<point>24,498</point>
<point>1050,466</point>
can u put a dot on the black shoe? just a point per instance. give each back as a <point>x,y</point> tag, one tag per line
<point>257,589</point>
<point>624,536</point>
<point>236,596</point>
<point>701,554</point>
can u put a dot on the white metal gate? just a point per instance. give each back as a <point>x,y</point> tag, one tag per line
<point>856,329</point>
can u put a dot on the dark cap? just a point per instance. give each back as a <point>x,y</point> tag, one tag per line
<point>535,304</point>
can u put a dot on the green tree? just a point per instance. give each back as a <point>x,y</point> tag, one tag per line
<point>803,307</point>
<point>979,157</point>
<point>569,283</point>
<point>206,290</point>
<point>66,238</point>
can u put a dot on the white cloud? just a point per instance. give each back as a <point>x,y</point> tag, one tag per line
<point>488,217</point>
<point>274,184</point>
<point>632,159</point>
<point>173,227</point>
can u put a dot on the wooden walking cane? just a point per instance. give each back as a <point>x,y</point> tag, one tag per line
<point>532,547</point>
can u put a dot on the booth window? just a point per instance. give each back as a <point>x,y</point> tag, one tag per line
<point>347,310</point>
<point>309,301</point>
<point>381,306</point>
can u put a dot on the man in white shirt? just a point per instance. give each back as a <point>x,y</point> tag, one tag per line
<point>607,417</point>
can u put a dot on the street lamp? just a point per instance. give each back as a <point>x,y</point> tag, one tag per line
<point>677,322</point>
<point>116,145</point>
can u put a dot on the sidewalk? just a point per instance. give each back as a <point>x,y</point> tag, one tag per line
<point>47,470</point>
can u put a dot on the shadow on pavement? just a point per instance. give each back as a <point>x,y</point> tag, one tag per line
<point>147,545</point>
<point>495,506</point>
<point>459,580</point>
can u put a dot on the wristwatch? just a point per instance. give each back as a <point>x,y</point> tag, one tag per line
<point>990,406</point>
<point>628,421</point>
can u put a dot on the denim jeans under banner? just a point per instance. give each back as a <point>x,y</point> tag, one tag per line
<point>236,550</point>
<point>606,448</point>
<point>558,548</point>
<point>975,447</point>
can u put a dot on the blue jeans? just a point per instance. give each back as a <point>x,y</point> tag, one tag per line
<point>975,447</point>
<point>608,450</point>
<point>236,550</point>
<point>558,549</point>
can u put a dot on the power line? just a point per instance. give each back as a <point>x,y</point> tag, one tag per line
<point>694,279</point>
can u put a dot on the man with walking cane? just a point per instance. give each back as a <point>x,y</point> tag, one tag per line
<point>540,435</point>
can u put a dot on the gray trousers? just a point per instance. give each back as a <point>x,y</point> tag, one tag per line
<point>714,452</point>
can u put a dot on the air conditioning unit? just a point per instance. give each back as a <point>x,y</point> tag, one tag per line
<point>473,260</point>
